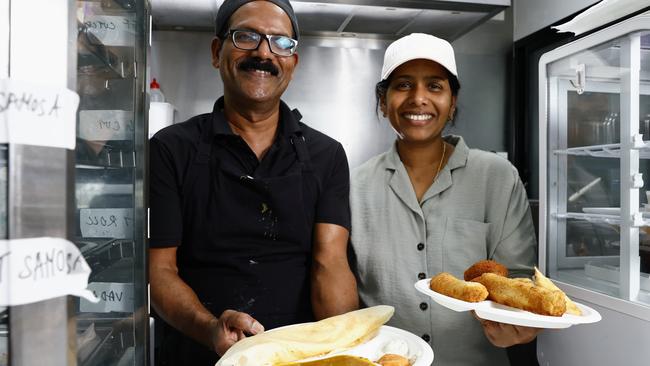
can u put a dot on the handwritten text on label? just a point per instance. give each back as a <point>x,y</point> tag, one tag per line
<point>37,269</point>
<point>112,297</point>
<point>105,125</point>
<point>114,223</point>
<point>34,114</point>
<point>112,30</point>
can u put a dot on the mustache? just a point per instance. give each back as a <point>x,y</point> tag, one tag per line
<point>256,63</point>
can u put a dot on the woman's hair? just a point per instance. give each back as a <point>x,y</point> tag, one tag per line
<point>382,87</point>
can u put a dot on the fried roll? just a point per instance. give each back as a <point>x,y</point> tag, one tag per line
<point>446,284</point>
<point>523,295</point>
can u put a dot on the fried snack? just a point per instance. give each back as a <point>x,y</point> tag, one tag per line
<point>523,295</point>
<point>393,360</point>
<point>446,284</point>
<point>342,360</point>
<point>300,341</point>
<point>523,279</point>
<point>542,281</point>
<point>485,266</point>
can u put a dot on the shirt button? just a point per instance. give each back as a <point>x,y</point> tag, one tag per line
<point>421,246</point>
<point>422,275</point>
<point>426,337</point>
<point>423,306</point>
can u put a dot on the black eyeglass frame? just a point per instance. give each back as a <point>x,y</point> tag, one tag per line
<point>231,34</point>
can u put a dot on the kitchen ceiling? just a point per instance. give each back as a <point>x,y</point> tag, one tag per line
<point>387,19</point>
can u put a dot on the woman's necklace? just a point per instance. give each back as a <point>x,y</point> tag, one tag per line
<point>444,149</point>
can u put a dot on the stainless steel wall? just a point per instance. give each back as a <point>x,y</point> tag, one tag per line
<point>533,15</point>
<point>333,86</point>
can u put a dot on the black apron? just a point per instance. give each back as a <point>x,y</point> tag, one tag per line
<point>258,256</point>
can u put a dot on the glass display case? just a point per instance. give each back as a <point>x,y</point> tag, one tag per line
<point>595,163</point>
<point>110,216</point>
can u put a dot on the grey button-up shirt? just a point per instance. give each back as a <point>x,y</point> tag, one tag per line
<point>476,209</point>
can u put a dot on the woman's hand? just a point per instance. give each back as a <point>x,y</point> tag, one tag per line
<point>506,335</point>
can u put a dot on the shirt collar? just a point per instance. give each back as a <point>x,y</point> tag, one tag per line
<point>288,124</point>
<point>457,159</point>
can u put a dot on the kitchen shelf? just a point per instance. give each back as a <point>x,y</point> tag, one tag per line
<point>108,159</point>
<point>604,151</point>
<point>609,219</point>
<point>109,343</point>
<point>122,5</point>
<point>97,59</point>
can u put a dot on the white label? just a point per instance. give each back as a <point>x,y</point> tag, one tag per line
<point>112,30</point>
<point>116,223</point>
<point>38,269</point>
<point>112,297</point>
<point>105,125</point>
<point>39,115</point>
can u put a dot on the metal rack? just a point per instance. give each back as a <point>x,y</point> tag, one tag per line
<point>109,188</point>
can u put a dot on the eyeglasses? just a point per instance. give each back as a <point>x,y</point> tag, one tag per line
<point>249,40</point>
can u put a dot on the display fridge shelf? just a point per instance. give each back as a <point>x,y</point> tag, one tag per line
<point>119,4</point>
<point>97,59</point>
<point>591,217</point>
<point>108,343</point>
<point>605,151</point>
<point>609,219</point>
<point>108,160</point>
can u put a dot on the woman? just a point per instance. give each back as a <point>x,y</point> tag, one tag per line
<point>430,204</point>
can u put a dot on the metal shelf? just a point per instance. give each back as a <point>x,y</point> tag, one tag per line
<point>606,151</point>
<point>609,219</point>
<point>97,59</point>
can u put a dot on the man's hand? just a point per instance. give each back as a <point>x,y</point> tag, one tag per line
<point>231,327</point>
<point>506,335</point>
<point>179,306</point>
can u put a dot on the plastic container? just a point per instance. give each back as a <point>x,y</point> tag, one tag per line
<point>161,115</point>
<point>155,94</point>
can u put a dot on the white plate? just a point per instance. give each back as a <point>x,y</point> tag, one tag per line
<point>373,349</point>
<point>614,211</point>
<point>490,310</point>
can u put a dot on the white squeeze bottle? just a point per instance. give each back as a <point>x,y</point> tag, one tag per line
<point>155,94</point>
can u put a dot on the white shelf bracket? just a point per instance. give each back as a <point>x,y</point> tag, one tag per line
<point>581,79</point>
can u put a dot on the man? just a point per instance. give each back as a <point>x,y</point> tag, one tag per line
<point>249,207</point>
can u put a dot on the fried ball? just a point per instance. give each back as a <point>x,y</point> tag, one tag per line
<point>485,266</point>
<point>393,360</point>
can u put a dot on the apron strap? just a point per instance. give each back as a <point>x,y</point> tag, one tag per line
<point>299,143</point>
<point>202,156</point>
<point>207,136</point>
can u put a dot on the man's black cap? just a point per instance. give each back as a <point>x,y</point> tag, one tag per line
<point>230,6</point>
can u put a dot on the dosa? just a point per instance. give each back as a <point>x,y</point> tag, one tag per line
<point>305,340</point>
<point>542,281</point>
<point>523,295</point>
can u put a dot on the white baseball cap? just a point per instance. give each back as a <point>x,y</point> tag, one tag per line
<point>416,46</point>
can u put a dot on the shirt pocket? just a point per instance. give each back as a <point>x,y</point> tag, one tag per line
<point>465,242</point>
